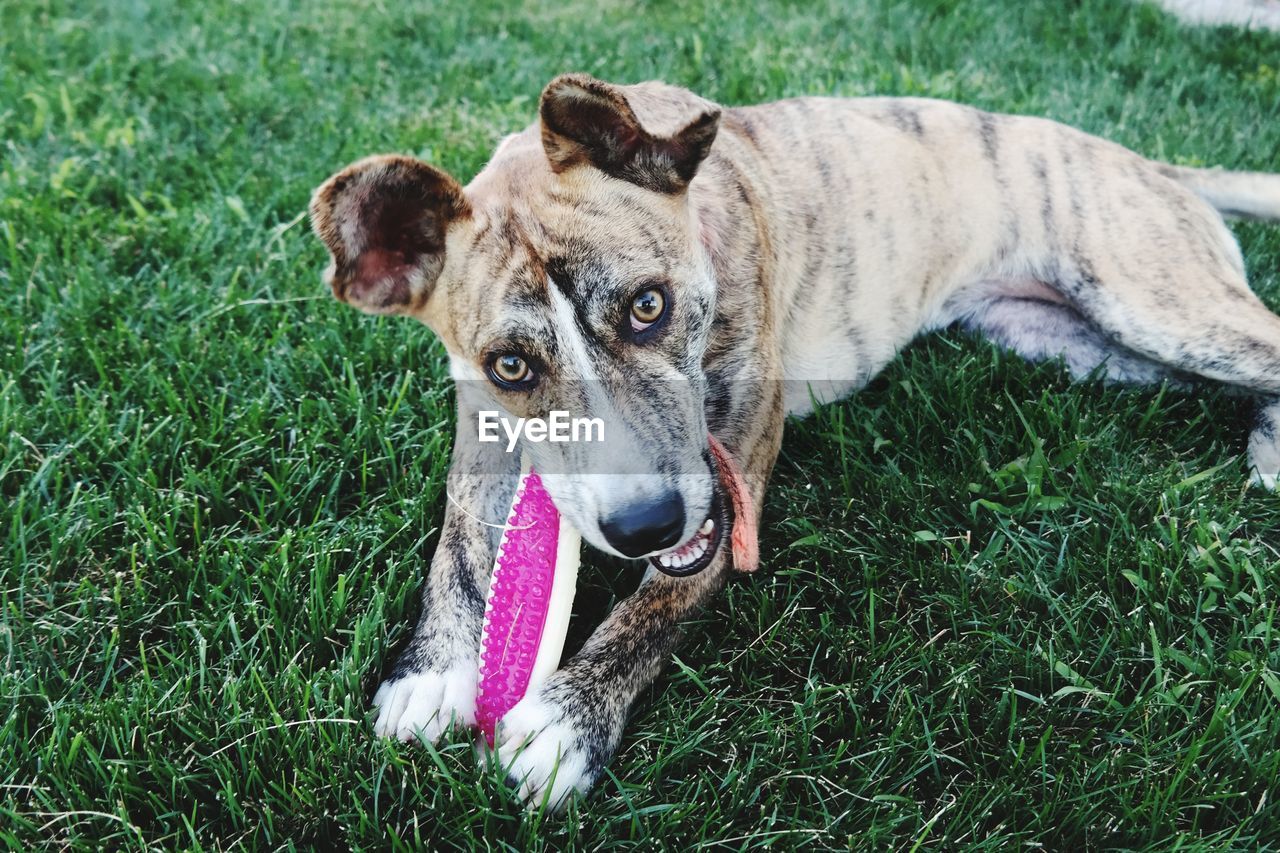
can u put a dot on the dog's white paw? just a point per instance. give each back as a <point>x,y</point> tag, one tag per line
<point>1264,459</point>
<point>547,757</point>
<point>1264,448</point>
<point>423,705</point>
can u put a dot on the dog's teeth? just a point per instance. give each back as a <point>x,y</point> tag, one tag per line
<point>692,551</point>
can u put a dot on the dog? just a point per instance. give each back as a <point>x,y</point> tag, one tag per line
<point>695,269</point>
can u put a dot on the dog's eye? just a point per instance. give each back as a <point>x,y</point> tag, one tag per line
<point>510,370</point>
<point>647,308</point>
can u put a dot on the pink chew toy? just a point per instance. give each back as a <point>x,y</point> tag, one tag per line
<point>530,597</point>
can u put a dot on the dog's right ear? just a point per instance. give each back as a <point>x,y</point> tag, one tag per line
<point>384,220</point>
<point>589,120</point>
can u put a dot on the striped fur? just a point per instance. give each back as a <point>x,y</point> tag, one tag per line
<point>803,244</point>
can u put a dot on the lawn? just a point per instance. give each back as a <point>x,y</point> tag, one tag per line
<point>996,609</point>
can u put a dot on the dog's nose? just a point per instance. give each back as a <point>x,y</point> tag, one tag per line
<point>645,527</point>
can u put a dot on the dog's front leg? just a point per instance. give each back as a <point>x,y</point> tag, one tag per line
<point>558,739</point>
<point>433,683</point>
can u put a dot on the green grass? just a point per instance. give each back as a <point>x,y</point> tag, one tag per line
<point>996,609</point>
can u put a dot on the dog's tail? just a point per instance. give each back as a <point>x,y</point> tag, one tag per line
<point>1243,195</point>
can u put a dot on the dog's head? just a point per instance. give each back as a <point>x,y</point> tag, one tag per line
<point>569,276</point>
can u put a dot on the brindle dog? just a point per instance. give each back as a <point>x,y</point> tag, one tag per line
<point>640,247</point>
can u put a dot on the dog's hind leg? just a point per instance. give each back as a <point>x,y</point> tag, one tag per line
<point>1210,339</point>
<point>1168,285</point>
<point>1264,445</point>
<point>1035,322</point>
<point>1145,283</point>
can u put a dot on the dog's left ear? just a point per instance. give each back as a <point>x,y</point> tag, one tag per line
<point>588,120</point>
<point>384,221</point>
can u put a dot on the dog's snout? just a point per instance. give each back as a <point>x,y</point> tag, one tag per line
<point>646,526</point>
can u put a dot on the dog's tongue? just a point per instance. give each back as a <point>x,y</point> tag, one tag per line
<point>746,546</point>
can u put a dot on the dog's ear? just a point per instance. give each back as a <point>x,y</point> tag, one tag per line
<point>588,120</point>
<point>384,220</point>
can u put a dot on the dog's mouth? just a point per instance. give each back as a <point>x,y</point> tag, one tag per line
<point>698,552</point>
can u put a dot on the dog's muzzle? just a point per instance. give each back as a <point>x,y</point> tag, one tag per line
<point>697,553</point>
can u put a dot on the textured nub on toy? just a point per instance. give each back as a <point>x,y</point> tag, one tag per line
<point>530,597</point>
